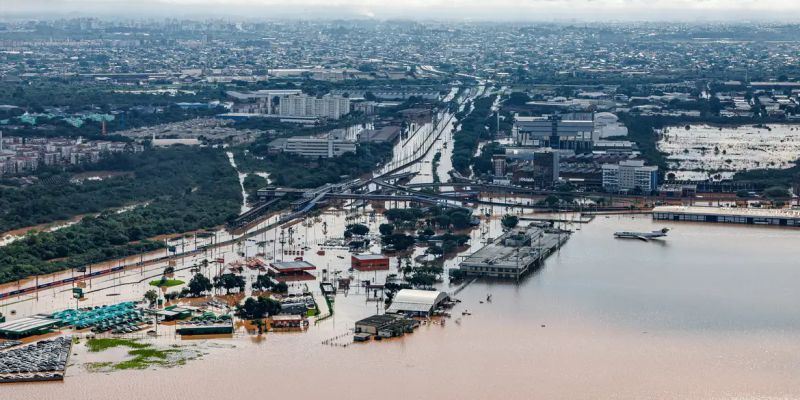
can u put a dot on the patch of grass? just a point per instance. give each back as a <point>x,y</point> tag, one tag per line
<point>142,355</point>
<point>96,345</point>
<point>98,366</point>
<point>166,282</point>
<point>144,358</point>
<point>151,353</point>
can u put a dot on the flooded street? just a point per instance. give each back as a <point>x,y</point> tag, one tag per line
<point>245,208</point>
<point>709,312</point>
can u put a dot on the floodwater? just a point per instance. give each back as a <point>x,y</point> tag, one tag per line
<point>245,208</point>
<point>726,150</point>
<point>710,312</point>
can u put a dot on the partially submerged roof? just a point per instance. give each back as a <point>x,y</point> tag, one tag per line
<point>291,266</point>
<point>416,300</point>
<point>27,324</point>
<point>366,257</point>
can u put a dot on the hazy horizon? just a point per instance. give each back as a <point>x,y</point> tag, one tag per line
<point>464,10</point>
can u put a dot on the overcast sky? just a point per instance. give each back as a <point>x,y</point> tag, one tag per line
<point>500,10</point>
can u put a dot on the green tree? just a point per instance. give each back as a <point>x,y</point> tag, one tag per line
<point>229,282</point>
<point>509,221</point>
<point>263,282</point>
<point>460,220</point>
<point>776,192</point>
<point>258,308</point>
<point>386,229</point>
<point>280,287</point>
<point>199,284</point>
<point>358,229</point>
<point>151,296</point>
<point>400,241</point>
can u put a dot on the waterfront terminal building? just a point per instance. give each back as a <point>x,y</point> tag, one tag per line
<point>514,254</point>
<point>728,215</point>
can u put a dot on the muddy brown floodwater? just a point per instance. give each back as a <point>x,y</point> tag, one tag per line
<point>710,312</point>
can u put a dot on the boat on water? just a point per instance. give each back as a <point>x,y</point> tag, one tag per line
<point>645,236</point>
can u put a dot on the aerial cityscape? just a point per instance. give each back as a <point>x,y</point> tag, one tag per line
<point>429,201</point>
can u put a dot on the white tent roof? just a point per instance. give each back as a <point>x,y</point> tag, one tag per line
<point>416,300</point>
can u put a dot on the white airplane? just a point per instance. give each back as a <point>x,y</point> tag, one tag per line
<point>646,236</point>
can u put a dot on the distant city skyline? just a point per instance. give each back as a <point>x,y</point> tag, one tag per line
<point>481,10</point>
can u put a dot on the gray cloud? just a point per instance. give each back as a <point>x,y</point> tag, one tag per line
<point>703,10</point>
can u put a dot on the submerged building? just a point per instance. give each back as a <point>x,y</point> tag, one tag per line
<point>515,253</point>
<point>418,303</point>
<point>728,215</point>
<point>385,325</point>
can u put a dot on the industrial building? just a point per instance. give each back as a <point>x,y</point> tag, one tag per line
<point>385,325</point>
<point>288,321</point>
<point>174,313</point>
<point>554,131</point>
<point>629,175</point>
<point>607,125</point>
<point>515,253</point>
<point>386,134</point>
<point>728,215</point>
<point>419,303</point>
<point>204,328</point>
<point>369,262</point>
<point>27,326</point>
<point>333,144</point>
<point>677,190</point>
<point>291,270</point>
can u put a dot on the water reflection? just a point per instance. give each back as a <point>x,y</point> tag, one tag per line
<point>709,312</point>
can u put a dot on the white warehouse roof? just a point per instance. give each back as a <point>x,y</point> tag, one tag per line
<point>416,300</point>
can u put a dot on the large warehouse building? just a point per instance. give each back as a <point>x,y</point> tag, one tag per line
<point>28,326</point>
<point>414,302</point>
<point>728,215</point>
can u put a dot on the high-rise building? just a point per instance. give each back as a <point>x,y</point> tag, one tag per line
<point>499,165</point>
<point>333,107</point>
<point>630,175</point>
<point>533,167</point>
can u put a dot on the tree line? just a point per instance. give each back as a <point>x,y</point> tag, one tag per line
<point>196,189</point>
<point>473,129</point>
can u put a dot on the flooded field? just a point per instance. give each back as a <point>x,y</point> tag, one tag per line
<point>706,151</point>
<point>708,313</point>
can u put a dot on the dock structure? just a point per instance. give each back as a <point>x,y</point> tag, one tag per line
<point>729,215</point>
<point>515,253</point>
